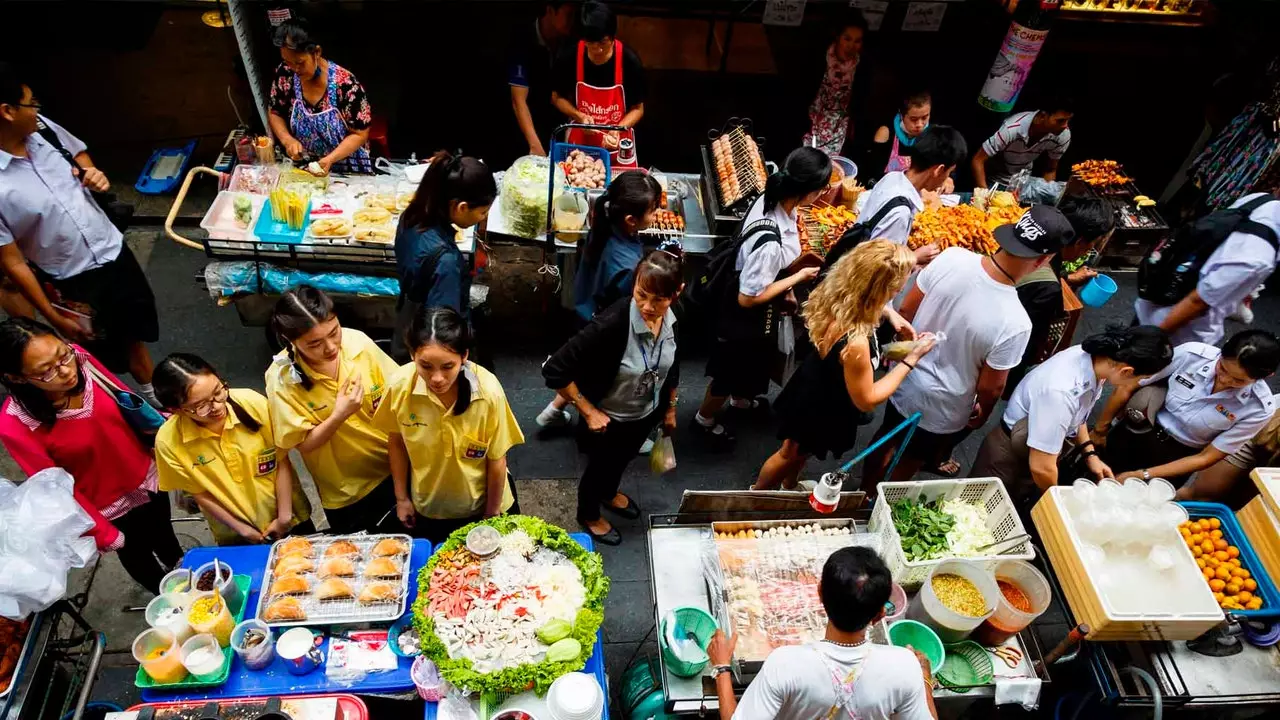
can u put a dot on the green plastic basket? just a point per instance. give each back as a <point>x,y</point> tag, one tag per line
<point>921,637</point>
<point>967,666</point>
<point>696,621</point>
<point>195,682</point>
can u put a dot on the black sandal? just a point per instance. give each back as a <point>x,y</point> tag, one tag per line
<point>613,537</point>
<point>630,512</point>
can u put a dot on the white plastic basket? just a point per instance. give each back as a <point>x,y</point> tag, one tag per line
<point>989,493</point>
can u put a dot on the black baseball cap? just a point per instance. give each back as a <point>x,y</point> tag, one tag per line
<point>1042,230</point>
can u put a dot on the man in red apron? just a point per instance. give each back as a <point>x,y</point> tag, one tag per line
<point>598,74</point>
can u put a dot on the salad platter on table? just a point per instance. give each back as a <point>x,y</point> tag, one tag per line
<point>509,604</point>
<point>332,580</point>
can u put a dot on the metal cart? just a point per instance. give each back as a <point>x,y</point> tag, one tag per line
<point>58,668</point>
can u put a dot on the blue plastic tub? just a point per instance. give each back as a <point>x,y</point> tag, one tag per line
<point>176,159</point>
<point>560,151</point>
<point>1234,535</point>
<point>1098,291</point>
<point>270,231</point>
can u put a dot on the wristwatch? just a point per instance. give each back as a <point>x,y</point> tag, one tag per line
<point>1146,474</point>
<point>719,670</point>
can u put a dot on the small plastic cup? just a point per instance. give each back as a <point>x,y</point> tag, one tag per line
<point>1098,291</point>
<point>208,613</point>
<point>1007,620</point>
<point>227,588</point>
<point>1159,492</point>
<point>156,650</point>
<point>260,655</point>
<point>177,581</point>
<point>202,656</point>
<point>169,611</point>
<point>1173,514</point>
<point>1133,493</point>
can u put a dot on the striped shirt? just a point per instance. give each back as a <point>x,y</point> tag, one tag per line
<point>1011,150</point>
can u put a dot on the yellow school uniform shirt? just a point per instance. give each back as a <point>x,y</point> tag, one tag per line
<point>447,452</point>
<point>354,460</point>
<point>236,468</point>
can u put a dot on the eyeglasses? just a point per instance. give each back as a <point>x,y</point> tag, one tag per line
<point>33,105</point>
<point>52,373</point>
<point>205,408</point>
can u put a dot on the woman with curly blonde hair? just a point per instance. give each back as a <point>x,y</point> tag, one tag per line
<point>834,390</point>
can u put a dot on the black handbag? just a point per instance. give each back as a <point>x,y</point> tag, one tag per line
<point>117,211</point>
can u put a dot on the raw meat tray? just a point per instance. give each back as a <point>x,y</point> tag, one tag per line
<point>339,612</point>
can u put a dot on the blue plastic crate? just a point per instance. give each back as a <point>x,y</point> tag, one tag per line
<point>269,231</point>
<point>178,159</point>
<point>560,151</point>
<point>1234,535</point>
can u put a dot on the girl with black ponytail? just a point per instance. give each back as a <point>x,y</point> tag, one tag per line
<point>455,193</point>
<point>448,428</point>
<point>323,389</point>
<point>769,266</point>
<point>1053,403</point>
<point>218,447</point>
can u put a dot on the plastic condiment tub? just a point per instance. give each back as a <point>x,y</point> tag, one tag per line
<point>156,650</point>
<point>202,656</point>
<point>953,627</point>
<point>169,611</point>
<point>1007,620</point>
<point>226,588</point>
<point>259,656</point>
<point>177,581</point>
<point>218,623</point>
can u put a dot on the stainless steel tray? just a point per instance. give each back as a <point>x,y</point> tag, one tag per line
<point>340,612</point>
<point>825,523</point>
<point>32,630</point>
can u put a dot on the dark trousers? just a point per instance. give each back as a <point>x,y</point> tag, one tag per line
<point>1127,450</point>
<point>438,530</point>
<point>150,547</point>
<point>374,513</point>
<point>608,454</point>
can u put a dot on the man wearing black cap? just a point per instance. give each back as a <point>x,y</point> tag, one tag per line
<point>972,299</point>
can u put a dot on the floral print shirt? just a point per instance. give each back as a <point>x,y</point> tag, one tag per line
<point>353,104</point>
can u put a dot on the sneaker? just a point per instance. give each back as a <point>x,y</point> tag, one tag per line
<point>550,417</point>
<point>646,447</point>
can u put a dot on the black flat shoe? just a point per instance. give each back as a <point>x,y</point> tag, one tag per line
<point>613,537</point>
<point>721,441</point>
<point>757,411</point>
<point>630,512</point>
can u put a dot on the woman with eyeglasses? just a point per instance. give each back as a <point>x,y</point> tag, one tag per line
<point>58,414</point>
<point>218,446</point>
<point>318,110</point>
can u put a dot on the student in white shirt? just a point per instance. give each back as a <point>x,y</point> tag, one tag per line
<point>1021,139</point>
<point>933,158</point>
<point>1234,270</point>
<point>1053,403</point>
<point>1216,401</point>
<point>768,270</point>
<point>843,676</point>
<point>972,298</point>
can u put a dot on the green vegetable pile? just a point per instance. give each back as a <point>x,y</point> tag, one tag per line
<point>922,527</point>
<point>538,676</point>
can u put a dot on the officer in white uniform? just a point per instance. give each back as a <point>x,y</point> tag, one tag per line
<point>1052,404</point>
<point>1236,268</point>
<point>1216,401</point>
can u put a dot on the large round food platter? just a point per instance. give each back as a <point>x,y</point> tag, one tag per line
<point>515,608</point>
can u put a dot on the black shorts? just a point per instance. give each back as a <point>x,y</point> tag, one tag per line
<point>741,368</point>
<point>929,448</point>
<point>119,298</point>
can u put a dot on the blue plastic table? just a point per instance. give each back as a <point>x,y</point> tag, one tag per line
<point>251,560</point>
<point>595,663</point>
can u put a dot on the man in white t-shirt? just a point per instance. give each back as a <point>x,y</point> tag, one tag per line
<point>973,300</point>
<point>1021,139</point>
<point>842,676</point>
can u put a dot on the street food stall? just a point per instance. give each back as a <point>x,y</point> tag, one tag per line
<point>50,663</point>
<point>1139,226</point>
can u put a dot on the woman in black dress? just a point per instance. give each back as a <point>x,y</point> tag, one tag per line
<point>834,390</point>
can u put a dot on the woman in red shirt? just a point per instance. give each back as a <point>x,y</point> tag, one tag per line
<point>58,415</point>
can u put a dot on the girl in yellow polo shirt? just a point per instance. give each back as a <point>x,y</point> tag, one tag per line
<point>449,428</point>
<point>323,389</point>
<point>218,447</point>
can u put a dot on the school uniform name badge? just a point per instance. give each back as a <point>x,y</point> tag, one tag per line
<point>475,451</point>
<point>266,461</point>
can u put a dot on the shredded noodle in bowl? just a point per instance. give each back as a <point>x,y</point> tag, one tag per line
<point>970,531</point>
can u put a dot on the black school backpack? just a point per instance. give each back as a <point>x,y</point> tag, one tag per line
<point>1172,269</point>
<point>706,294</point>
<point>859,233</point>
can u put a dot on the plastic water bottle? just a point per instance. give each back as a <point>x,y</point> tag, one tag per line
<point>826,494</point>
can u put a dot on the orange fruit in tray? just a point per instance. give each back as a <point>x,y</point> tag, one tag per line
<point>1217,585</point>
<point>1215,523</point>
<point>1250,584</point>
<point>1207,546</point>
<point>1231,589</point>
<point>1222,573</point>
<point>1254,604</point>
<point>1233,551</point>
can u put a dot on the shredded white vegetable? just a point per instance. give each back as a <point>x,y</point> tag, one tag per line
<point>970,531</point>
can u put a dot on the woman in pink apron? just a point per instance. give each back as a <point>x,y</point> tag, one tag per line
<point>318,109</point>
<point>829,112</point>
<point>598,75</point>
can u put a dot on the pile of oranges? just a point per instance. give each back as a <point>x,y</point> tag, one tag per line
<point>1233,586</point>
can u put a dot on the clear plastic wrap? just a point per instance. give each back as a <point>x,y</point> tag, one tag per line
<point>524,194</point>
<point>225,279</point>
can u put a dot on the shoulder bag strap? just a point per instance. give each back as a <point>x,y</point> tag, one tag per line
<point>893,204</point>
<point>102,378</point>
<point>52,138</point>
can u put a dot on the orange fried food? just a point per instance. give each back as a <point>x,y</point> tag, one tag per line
<point>337,567</point>
<point>290,585</point>
<point>295,546</point>
<point>389,547</point>
<point>341,548</point>
<point>382,567</point>
<point>335,589</point>
<point>379,592</point>
<point>294,564</point>
<point>284,609</point>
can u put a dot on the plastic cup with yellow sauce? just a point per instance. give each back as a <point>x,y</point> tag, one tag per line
<point>156,650</point>
<point>208,613</point>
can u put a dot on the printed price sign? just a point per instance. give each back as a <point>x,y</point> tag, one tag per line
<point>872,10</point>
<point>924,17</point>
<point>784,12</point>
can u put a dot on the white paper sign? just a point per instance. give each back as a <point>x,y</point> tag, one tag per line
<point>784,12</point>
<point>872,10</point>
<point>924,16</point>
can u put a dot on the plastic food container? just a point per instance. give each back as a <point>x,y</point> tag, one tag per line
<point>220,221</point>
<point>208,613</point>
<point>951,626</point>
<point>260,655</point>
<point>575,696</point>
<point>226,588</point>
<point>177,581</point>
<point>483,540</point>
<point>1007,620</point>
<point>686,620</point>
<point>919,636</point>
<point>169,612</point>
<point>426,678</point>
<point>897,598</point>
<point>202,655</point>
<point>156,650</point>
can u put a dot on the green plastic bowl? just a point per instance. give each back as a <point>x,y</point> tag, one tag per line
<point>696,621</point>
<point>922,638</point>
<point>967,666</point>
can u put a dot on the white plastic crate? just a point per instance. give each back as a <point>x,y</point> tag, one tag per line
<point>989,493</point>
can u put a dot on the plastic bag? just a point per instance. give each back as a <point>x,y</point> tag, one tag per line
<point>523,197</point>
<point>42,531</point>
<point>225,279</point>
<point>662,458</point>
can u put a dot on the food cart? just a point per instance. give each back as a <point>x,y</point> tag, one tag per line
<point>56,668</point>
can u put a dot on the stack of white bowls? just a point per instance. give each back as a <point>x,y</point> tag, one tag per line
<point>575,696</point>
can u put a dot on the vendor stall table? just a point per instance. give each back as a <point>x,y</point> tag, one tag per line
<point>595,664</point>
<point>251,560</point>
